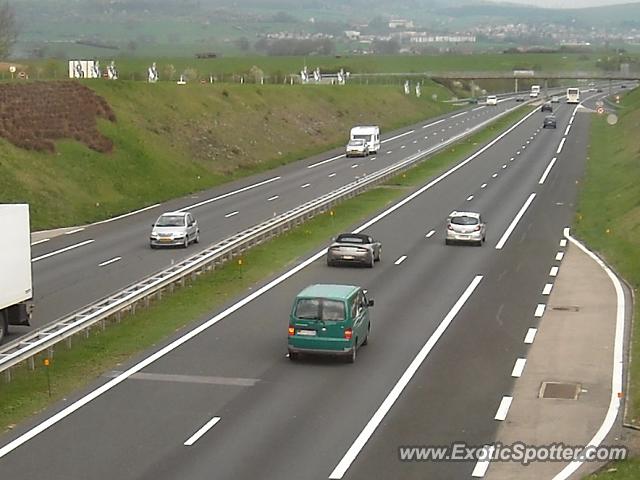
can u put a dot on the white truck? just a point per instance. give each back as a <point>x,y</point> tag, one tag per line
<point>370,134</point>
<point>16,290</point>
<point>535,91</point>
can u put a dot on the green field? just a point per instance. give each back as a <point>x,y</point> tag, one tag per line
<point>174,140</point>
<point>225,67</point>
<point>107,350</point>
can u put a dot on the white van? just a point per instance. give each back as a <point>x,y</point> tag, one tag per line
<point>370,134</point>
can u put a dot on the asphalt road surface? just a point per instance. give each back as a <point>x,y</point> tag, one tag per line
<point>224,401</point>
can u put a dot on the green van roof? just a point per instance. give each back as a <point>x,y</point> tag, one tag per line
<point>338,292</point>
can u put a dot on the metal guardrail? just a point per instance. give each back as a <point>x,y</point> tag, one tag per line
<point>480,75</point>
<point>129,298</point>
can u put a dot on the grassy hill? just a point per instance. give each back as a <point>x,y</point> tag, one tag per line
<point>169,141</point>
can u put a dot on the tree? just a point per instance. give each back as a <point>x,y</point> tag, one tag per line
<point>8,29</point>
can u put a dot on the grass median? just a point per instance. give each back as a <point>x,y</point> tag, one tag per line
<point>103,351</point>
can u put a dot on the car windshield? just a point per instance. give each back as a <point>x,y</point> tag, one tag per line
<point>319,309</point>
<point>170,221</point>
<point>362,137</point>
<point>357,142</point>
<point>350,239</point>
<point>464,220</point>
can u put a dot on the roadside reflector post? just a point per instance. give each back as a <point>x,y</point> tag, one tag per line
<point>47,363</point>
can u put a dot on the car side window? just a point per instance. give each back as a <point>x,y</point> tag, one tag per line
<point>354,308</point>
<point>370,240</point>
<point>360,304</point>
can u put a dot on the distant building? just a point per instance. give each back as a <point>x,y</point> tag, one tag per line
<point>400,23</point>
<point>352,34</point>
<point>424,38</point>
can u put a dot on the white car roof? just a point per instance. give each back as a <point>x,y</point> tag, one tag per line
<point>182,214</point>
<point>365,128</point>
<point>464,214</point>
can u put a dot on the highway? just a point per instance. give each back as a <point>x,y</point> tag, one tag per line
<point>222,401</point>
<point>73,270</point>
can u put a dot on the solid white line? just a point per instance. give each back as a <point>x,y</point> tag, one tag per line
<point>430,234</point>
<point>62,250</point>
<point>469,198</point>
<point>547,289</point>
<point>561,145</point>
<point>484,185</point>
<point>332,174</point>
<point>231,214</point>
<point>547,170</point>
<point>305,185</point>
<point>355,165</point>
<point>128,214</point>
<point>207,426</point>
<point>566,132</point>
<point>400,260</point>
<point>459,114</point>
<point>44,240</point>
<point>482,464</point>
<point>503,409</point>
<point>478,108</point>
<point>109,262</point>
<point>559,256</point>
<point>366,433</point>
<point>563,242</point>
<point>518,367</point>
<point>398,136</point>
<point>229,194</point>
<point>432,124</point>
<point>553,272</point>
<point>88,398</point>
<point>511,228</point>
<point>271,199</point>
<point>71,232</point>
<point>618,362</point>
<point>531,335</point>
<point>539,310</point>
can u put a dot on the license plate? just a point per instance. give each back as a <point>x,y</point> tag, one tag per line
<point>165,240</point>
<point>308,333</point>
<point>347,257</point>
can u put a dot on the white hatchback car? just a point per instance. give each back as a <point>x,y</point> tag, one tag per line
<point>357,147</point>
<point>174,229</point>
<point>465,227</point>
<point>492,100</point>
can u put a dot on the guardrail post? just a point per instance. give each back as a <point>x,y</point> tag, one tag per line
<point>31,363</point>
<point>7,375</point>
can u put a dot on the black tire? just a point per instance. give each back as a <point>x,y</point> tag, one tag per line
<point>354,351</point>
<point>372,261</point>
<point>4,325</point>
<point>366,339</point>
<point>329,263</point>
<point>197,239</point>
<point>379,257</point>
<point>447,241</point>
<point>186,242</point>
<point>293,356</point>
<point>153,247</point>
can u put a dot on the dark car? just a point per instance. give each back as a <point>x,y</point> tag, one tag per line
<point>549,122</point>
<point>520,99</point>
<point>546,107</point>
<point>354,248</point>
<point>623,86</point>
<point>599,90</point>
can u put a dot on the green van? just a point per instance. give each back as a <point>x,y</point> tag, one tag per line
<point>330,320</point>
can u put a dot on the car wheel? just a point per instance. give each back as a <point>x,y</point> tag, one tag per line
<point>352,355</point>
<point>379,257</point>
<point>447,241</point>
<point>366,339</point>
<point>197,239</point>
<point>329,262</point>
<point>4,326</point>
<point>186,242</point>
<point>293,356</point>
<point>152,246</point>
<point>372,261</point>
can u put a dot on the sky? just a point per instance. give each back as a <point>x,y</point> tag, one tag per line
<point>571,3</point>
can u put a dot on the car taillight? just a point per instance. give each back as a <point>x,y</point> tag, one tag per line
<point>477,229</point>
<point>450,227</point>
<point>348,333</point>
<point>292,331</point>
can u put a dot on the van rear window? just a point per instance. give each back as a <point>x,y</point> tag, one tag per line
<point>319,309</point>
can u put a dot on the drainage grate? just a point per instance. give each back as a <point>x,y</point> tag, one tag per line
<point>567,308</point>
<point>568,391</point>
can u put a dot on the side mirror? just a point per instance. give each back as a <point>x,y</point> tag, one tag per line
<point>370,303</point>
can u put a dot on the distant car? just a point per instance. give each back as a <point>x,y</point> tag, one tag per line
<point>546,107</point>
<point>174,229</point>
<point>465,227</point>
<point>473,100</point>
<point>520,98</point>
<point>555,99</point>
<point>599,90</point>
<point>623,86</point>
<point>354,248</point>
<point>357,148</point>
<point>549,122</point>
<point>492,100</point>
